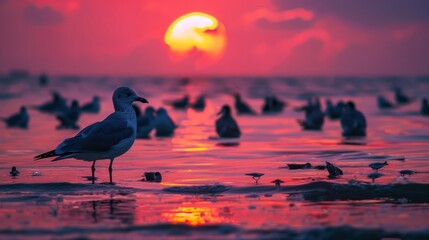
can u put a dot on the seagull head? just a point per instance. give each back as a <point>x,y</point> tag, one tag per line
<point>161,111</point>
<point>226,110</point>
<point>23,109</point>
<point>125,96</point>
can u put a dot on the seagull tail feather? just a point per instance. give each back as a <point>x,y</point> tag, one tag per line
<point>46,155</point>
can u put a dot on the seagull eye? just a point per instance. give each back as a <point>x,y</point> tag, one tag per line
<point>127,94</point>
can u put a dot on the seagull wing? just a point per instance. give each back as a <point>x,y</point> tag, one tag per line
<point>97,137</point>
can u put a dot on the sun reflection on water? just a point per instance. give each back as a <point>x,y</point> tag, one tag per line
<point>194,216</point>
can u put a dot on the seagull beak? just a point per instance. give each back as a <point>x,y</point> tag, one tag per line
<point>140,99</point>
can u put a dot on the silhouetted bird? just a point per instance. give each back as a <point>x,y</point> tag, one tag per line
<point>92,107</point>
<point>56,105</point>
<point>182,103</point>
<point>314,119</point>
<point>353,122</point>
<point>14,172</point>
<point>200,103</point>
<point>334,112</point>
<point>294,166</point>
<point>272,105</point>
<point>107,139</point>
<point>383,103</point>
<point>400,97</point>
<point>18,120</point>
<point>377,165</point>
<point>406,172</point>
<point>145,123</point>
<point>69,118</point>
<point>226,126</point>
<point>242,107</point>
<point>164,125</point>
<point>424,110</point>
<point>333,170</point>
<point>43,80</point>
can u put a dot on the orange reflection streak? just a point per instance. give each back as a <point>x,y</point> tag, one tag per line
<point>194,216</point>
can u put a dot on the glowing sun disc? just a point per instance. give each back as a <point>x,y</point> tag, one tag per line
<point>196,30</point>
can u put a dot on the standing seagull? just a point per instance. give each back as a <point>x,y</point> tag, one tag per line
<point>226,126</point>
<point>107,139</point>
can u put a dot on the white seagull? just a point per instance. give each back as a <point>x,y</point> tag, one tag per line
<point>107,139</point>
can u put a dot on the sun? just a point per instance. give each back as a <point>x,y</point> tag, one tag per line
<point>196,31</point>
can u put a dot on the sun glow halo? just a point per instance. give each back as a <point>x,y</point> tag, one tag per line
<point>198,31</point>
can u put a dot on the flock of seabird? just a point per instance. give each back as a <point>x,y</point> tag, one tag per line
<point>115,135</point>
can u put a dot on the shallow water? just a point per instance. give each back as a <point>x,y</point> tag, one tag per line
<point>204,192</point>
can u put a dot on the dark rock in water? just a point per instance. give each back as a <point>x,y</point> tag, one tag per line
<point>320,167</point>
<point>293,166</point>
<point>406,172</point>
<point>333,170</point>
<point>152,177</point>
<point>14,172</point>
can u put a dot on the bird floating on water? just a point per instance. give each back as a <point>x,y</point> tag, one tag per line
<point>314,118</point>
<point>293,166</point>
<point>377,165</point>
<point>400,97</point>
<point>353,122</point>
<point>107,139</point>
<point>272,105</point>
<point>18,120</point>
<point>226,126</point>
<point>14,172</point>
<point>334,111</point>
<point>406,172</point>
<point>242,107</point>
<point>333,170</point>
<point>424,110</point>
<point>145,122</point>
<point>92,107</point>
<point>200,103</point>
<point>383,103</point>
<point>181,103</point>
<point>69,117</point>
<point>164,125</point>
<point>56,105</point>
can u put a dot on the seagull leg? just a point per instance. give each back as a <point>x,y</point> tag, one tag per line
<point>93,172</point>
<point>110,170</point>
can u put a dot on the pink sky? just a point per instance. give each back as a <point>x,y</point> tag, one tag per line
<point>264,37</point>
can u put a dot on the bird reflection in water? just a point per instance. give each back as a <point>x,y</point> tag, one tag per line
<point>115,211</point>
